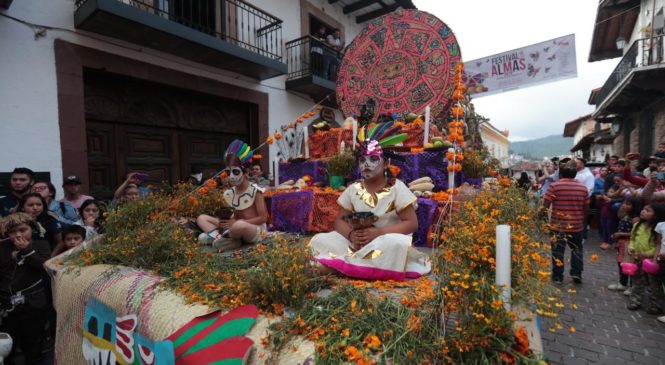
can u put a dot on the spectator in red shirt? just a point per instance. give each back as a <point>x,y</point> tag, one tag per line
<point>569,200</point>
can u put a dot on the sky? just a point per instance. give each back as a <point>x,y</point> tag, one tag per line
<point>486,27</point>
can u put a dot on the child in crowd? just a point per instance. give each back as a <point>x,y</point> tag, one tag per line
<point>130,189</point>
<point>643,245</point>
<point>630,210</point>
<point>35,205</point>
<point>23,298</point>
<point>73,236</point>
<point>91,219</point>
<point>248,222</point>
<point>660,231</point>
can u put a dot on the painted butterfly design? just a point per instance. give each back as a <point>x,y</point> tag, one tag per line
<point>533,71</point>
<point>552,58</point>
<point>534,56</point>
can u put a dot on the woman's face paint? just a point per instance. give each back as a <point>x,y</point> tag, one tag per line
<point>370,166</point>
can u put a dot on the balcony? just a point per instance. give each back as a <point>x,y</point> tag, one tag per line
<point>228,34</point>
<point>637,81</point>
<point>312,69</point>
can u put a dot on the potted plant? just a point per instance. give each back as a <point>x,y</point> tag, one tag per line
<point>340,167</point>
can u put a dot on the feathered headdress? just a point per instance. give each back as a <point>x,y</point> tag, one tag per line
<point>375,138</point>
<point>238,153</point>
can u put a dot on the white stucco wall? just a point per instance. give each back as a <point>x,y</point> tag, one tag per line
<point>30,134</point>
<point>28,95</point>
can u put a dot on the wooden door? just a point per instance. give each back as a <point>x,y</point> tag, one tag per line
<point>101,159</point>
<point>148,149</point>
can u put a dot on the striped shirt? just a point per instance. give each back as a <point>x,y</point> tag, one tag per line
<point>569,200</point>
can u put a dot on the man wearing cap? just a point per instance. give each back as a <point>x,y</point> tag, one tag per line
<point>652,162</point>
<point>569,200</point>
<point>72,188</point>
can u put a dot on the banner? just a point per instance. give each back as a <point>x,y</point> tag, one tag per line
<point>539,63</point>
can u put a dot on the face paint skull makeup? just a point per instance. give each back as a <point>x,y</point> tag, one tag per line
<point>235,175</point>
<point>370,166</point>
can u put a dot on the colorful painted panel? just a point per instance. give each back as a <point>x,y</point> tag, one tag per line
<point>404,61</point>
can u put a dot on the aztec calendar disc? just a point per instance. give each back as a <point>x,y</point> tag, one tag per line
<point>404,61</point>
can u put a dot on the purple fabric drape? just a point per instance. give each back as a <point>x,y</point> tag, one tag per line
<point>291,212</point>
<point>426,211</point>
<point>294,171</point>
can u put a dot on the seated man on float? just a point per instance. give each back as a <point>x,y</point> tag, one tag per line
<point>382,251</point>
<point>248,222</point>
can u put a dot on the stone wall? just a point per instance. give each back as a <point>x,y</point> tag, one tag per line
<point>634,139</point>
<point>659,123</point>
<point>617,144</point>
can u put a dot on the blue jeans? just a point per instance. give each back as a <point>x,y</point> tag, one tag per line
<point>574,240</point>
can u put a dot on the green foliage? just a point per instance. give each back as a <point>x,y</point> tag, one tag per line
<point>341,164</point>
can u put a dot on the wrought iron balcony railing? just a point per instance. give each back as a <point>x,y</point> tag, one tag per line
<point>643,52</point>
<point>233,21</point>
<point>308,56</point>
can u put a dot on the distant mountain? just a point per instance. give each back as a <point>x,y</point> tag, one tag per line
<point>549,146</point>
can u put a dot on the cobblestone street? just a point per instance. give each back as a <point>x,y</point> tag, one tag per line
<point>605,331</point>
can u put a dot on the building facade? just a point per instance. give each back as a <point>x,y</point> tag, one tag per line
<point>632,99</point>
<point>99,88</point>
<point>591,140</point>
<point>496,141</point>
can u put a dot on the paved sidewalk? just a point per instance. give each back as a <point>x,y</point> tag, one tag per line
<point>605,331</point>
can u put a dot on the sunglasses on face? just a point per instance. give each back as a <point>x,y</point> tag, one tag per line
<point>233,171</point>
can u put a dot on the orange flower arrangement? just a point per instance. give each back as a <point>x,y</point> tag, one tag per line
<point>394,170</point>
<point>192,201</point>
<point>522,341</point>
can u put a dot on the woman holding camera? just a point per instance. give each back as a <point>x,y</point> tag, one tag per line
<point>377,216</point>
<point>23,299</point>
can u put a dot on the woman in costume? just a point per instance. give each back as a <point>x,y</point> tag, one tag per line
<point>382,251</point>
<point>248,222</point>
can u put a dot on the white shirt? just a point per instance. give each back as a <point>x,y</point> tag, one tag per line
<point>585,176</point>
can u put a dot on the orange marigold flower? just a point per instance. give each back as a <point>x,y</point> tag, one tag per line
<point>256,156</point>
<point>521,341</point>
<point>394,170</point>
<point>506,358</point>
<point>458,167</point>
<point>270,140</point>
<point>352,353</point>
<point>278,136</point>
<point>372,341</point>
<point>203,190</point>
<point>193,201</point>
<point>211,183</point>
<point>594,258</point>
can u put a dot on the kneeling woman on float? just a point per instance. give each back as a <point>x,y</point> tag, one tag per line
<point>382,251</point>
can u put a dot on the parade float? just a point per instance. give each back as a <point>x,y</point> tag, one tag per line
<point>147,293</point>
